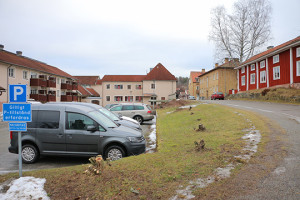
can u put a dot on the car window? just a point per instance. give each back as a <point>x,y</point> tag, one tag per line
<point>79,121</point>
<point>139,107</point>
<point>128,107</point>
<point>116,108</point>
<point>219,93</point>
<point>33,123</point>
<point>149,108</point>
<point>48,119</point>
<point>109,114</point>
<point>104,120</point>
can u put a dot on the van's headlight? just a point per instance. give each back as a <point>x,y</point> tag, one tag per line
<point>136,139</point>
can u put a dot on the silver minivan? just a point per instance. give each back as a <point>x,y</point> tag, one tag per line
<point>75,130</point>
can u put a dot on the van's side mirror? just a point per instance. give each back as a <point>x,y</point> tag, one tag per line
<point>91,128</point>
<point>120,115</point>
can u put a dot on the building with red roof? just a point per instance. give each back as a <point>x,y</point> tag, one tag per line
<point>276,67</point>
<point>194,83</point>
<point>45,82</point>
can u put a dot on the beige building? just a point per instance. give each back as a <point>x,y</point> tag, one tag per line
<point>157,86</point>
<point>194,83</point>
<point>222,78</point>
<point>44,82</point>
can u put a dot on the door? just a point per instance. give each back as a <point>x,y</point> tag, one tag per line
<point>50,135</point>
<point>78,139</point>
<point>128,110</point>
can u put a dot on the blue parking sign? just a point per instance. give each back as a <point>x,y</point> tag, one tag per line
<point>17,93</point>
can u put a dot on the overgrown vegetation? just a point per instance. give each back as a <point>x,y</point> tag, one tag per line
<point>158,175</point>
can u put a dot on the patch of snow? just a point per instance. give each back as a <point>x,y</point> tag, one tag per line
<point>25,188</point>
<point>188,106</point>
<point>225,172</point>
<point>152,139</point>
<point>129,119</point>
<point>279,170</point>
<point>169,112</point>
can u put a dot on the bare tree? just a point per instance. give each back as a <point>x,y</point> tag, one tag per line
<point>242,33</point>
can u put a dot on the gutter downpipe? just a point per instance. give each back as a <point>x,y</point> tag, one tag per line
<point>257,76</point>
<point>247,68</point>
<point>7,83</point>
<point>267,69</point>
<point>291,67</point>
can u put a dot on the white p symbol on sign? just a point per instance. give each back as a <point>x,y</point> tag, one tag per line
<point>17,91</point>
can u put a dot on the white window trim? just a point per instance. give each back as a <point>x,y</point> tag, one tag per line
<point>57,93</point>
<point>252,67</point>
<point>276,78</point>
<point>298,67</point>
<point>154,86</point>
<point>108,86</point>
<point>26,75</point>
<point>276,59</point>
<point>262,72</point>
<point>217,74</point>
<point>14,72</point>
<point>106,98</point>
<point>243,70</point>
<point>118,96</point>
<point>243,80</point>
<point>298,52</point>
<point>260,64</point>
<point>252,78</point>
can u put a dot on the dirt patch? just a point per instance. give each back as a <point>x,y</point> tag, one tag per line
<point>174,103</point>
<point>244,182</point>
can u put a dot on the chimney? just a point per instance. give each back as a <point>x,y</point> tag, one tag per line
<point>203,71</point>
<point>270,47</point>
<point>1,47</point>
<point>226,60</point>
<point>216,65</point>
<point>19,53</point>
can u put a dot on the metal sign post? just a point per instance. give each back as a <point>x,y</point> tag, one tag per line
<point>17,112</point>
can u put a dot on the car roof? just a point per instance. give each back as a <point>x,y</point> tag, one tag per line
<point>92,105</point>
<point>62,107</point>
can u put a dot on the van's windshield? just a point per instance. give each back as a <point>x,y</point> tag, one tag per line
<point>109,114</point>
<point>105,121</point>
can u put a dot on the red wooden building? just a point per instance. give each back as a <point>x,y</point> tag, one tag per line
<point>277,67</point>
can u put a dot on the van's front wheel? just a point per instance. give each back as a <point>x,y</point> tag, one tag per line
<point>29,154</point>
<point>114,152</point>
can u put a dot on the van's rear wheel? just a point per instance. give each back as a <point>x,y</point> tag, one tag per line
<point>139,119</point>
<point>114,152</point>
<point>29,154</point>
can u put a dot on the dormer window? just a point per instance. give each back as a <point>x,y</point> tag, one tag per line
<point>252,67</point>
<point>243,70</point>
<point>262,64</point>
<point>275,59</point>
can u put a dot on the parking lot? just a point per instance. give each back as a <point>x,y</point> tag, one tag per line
<point>9,161</point>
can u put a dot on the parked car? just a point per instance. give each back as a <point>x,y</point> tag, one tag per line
<point>138,111</point>
<point>192,98</point>
<point>108,106</point>
<point>217,95</point>
<point>75,130</point>
<point>123,121</point>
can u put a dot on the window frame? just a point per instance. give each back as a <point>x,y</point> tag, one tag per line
<point>138,87</point>
<point>262,74</point>
<point>25,72</point>
<point>242,70</point>
<point>130,99</point>
<point>276,75</point>
<point>118,87</point>
<point>252,66</point>
<point>107,98</point>
<point>152,84</point>
<point>252,78</point>
<point>276,59</point>
<point>298,67</point>
<point>115,100</point>
<point>264,64</point>
<point>298,52</point>
<point>243,80</point>
<point>139,98</point>
<point>128,87</point>
<point>108,86</point>
<point>11,72</point>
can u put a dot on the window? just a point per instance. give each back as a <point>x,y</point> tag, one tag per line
<point>129,98</point>
<point>263,76</point>
<point>78,121</point>
<point>129,87</point>
<point>298,52</point>
<point>119,87</point>
<point>108,86</point>
<point>154,100</point>
<point>33,123</point>
<point>163,98</point>
<point>276,59</point>
<point>138,87</point>
<point>139,108</point>
<point>252,78</point>
<point>58,79</point>
<point>243,80</point>
<point>48,119</point>
<point>298,67</point>
<point>25,75</point>
<point>197,79</point>
<point>118,98</point>
<point>107,98</point>
<point>33,75</point>
<point>243,70</point>
<point>262,64</point>
<point>276,73</point>
<point>217,75</point>
<point>57,93</point>
<point>138,98</point>
<point>33,91</point>
<point>213,76</point>
<point>11,72</point>
<point>128,107</point>
<point>63,92</point>
<point>63,80</point>
<point>116,108</point>
<point>197,87</point>
<point>252,67</point>
<point>153,86</point>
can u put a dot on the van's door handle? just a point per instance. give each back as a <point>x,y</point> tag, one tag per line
<point>60,135</point>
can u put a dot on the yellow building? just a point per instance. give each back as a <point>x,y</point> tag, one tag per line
<point>194,83</point>
<point>222,78</point>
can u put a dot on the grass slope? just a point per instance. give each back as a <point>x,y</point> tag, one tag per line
<point>158,175</point>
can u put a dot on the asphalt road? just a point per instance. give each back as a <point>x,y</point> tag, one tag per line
<point>9,162</point>
<point>284,181</point>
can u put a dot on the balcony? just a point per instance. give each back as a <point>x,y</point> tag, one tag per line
<point>51,83</point>
<point>66,86</point>
<point>74,86</point>
<point>66,98</point>
<point>39,97</point>
<point>51,96</point>
<point>38,82</point>
<point>74,97</point>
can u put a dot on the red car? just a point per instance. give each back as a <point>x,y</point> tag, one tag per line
<point>217,95</point>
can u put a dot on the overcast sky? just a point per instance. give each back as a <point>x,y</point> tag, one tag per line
<point>96,37</point>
